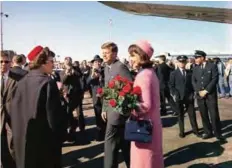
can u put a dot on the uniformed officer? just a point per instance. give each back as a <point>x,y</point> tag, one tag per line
<point>182,92</point>
<point>204,80</point>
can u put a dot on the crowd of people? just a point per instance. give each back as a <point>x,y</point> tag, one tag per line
<point>41,106</point>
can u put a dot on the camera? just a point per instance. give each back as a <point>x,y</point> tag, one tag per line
<point>97,71</point>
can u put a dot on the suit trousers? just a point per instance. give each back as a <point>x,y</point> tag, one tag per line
<point>114,140</point>
<point>189,103</point>
<point>7,153</point>
<point>101,125</point>
<point>165,93</point>
<point>208,107</point>
<point>76,105</point>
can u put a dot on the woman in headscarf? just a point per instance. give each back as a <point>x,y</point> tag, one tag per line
<point>147,155</point>
<point>38,119</point>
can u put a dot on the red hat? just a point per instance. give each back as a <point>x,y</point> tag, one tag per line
<point>32,55</point>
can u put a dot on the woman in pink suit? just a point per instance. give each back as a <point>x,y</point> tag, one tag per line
<point>147,155</point>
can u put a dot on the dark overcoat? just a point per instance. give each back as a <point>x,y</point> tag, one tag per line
<point>7,94</point>
<point>37,122</point>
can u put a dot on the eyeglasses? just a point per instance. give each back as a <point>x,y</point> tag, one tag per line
<point>6,62</point>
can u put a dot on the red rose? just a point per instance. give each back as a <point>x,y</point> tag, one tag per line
<point>127,88</point>
<point>99,91</point>
<point>137,90</point>
<point>125,80</point>
<point>118,78</point>
<point>121,93</point>
<point>111,84</point>
<point>112,102</point>
<point>131,83</point>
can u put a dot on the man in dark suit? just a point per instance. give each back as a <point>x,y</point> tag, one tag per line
<point>9,79</point>
<point>204,80</point>
<point>25,64</point>
<point>71,79</point>
<point>95,81</point>
<point>55,76</point>
<point>163,73</point>
<point>182,92</point>
<point>114,138</point>
<point>17,66</point>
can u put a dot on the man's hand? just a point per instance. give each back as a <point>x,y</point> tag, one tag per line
<point>103,115</point>
<point>69,72</point>
<point>203,93</point>
<point>95,73</point>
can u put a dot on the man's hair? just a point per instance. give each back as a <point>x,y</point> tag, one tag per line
<point>162,57</point>
<point>18,59</point>
<point>4,54</point>
<point>110,45</point>
<point>22,55</point>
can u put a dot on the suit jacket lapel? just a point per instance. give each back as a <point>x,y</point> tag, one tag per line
<point>205,68</point>
<point>4,99</point>
<point>200,70</point>
<point>8,88</point>
<point>110,71</point>
<point>107,75</point>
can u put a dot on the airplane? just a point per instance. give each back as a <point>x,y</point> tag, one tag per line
<point>207,14</point>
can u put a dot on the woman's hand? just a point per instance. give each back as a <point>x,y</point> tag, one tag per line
<point>141,108</point>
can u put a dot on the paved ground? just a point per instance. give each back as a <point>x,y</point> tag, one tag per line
<point>190,152</point>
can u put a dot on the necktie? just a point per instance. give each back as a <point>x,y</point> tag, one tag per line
<point>202,69</point>
<point>184,73</point>
<point>202,66</point>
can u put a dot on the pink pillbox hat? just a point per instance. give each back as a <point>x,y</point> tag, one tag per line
<point>146,47</point>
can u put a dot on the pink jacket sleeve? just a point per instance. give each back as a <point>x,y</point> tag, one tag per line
<point>144,82</point>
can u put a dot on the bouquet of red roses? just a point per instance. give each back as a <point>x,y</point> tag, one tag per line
<point>121,95</point>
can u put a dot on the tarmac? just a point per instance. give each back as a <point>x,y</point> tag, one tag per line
<point>189,152</point>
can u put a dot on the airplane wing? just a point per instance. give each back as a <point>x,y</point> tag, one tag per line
<point>219,15</point>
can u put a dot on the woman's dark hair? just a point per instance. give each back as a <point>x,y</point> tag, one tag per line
<point>145,59</point>
<point>41,58</point>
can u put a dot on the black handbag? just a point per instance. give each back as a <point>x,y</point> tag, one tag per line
<point>138,130</point>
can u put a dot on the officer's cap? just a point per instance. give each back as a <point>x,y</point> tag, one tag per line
<point>199,53</point>
<point>182,58</point>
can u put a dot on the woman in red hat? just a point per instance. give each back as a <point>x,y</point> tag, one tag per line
<point>38,121</point>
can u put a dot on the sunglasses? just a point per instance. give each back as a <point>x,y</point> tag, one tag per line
<point>6,62</point>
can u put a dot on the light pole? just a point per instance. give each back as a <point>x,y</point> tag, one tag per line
<point>2,15</point>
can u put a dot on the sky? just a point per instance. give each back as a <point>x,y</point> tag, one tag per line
<point>78,29</point>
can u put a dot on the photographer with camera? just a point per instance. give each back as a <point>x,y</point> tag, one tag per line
<point>96,80</point>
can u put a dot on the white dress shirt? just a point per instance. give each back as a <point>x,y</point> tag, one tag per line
<point>183,71</point>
